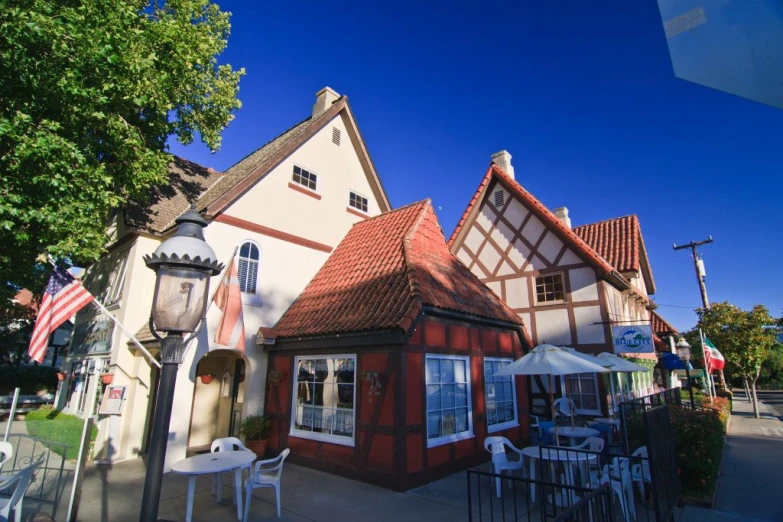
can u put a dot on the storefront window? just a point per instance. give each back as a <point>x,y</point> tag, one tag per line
<point>500,396</point>
<point>324,398</point>
<point>449,414</point>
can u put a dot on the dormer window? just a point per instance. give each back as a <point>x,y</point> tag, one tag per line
<point>357,201</point>
<point>305,178</point>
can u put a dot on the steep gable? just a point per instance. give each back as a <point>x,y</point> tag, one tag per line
<point>383,274</point>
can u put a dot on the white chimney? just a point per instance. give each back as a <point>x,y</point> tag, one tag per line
<point>324,100</point>
<point>562,215</point>
<point>503,160</point>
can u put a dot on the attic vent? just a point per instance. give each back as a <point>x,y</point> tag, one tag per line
<point>500,198</point>
<point>336,136</point>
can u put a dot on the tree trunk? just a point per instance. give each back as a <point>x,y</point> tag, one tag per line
<point>747,388</point>
<point>755,398</point>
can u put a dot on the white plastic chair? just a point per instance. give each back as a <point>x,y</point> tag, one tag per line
<point>563,406</point>
<point>268,477</point>
<point>618,476</point>
<point>500,461</point>
<point>595,444</point>
<point>19,482</point>
<point>226,444</point>
<point>7,451</point>
<point>640,471</point>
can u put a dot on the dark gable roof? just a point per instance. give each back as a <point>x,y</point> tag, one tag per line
<point>214,192</point>
<point>382,275</point>
<point>187,181</point>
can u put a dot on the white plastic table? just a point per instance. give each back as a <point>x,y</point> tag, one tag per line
<point>574,433</point>
<point>208,463</point>
<point>569,458</point>
<point>608,420</point>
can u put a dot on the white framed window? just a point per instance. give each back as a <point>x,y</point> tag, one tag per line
<point>501,396</point>
<point>582,388</point>
<point>305,178</point>
<point>249,256</point>
<point>549,288</point>
<point>324,398</point>
<point>449,412</point>
<point>357,201</point>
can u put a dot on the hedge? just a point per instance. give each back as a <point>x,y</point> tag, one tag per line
<point>31,379</point>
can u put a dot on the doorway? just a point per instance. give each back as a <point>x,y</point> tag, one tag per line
<point>218,398</point>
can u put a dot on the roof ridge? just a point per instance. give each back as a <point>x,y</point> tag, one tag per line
<point>608,220</point>
<point>414,284</point>
<point>384,214</point>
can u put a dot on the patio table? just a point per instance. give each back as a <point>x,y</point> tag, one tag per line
<point>209,463</point>
<point>608,420</point>
<point>570,460</point>
<point>575,433</point>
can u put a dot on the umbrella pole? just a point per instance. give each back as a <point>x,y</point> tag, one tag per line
<point>552,404</point>
<point>614,395</point>
<point>568,396</point>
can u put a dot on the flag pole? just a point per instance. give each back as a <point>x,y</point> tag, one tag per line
<point>707,367</point>
<point>222,275</point>
<point>117,322</point>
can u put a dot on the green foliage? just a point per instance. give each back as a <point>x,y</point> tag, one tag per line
<point>91,93</point>
<point>255,427</point>
<point>698,440</point>
<point>745,338</point>
<point>52,425</point>
<point>31,379</point>
<point>16,325</point>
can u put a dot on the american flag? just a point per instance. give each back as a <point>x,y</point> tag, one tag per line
<point>64,297</point>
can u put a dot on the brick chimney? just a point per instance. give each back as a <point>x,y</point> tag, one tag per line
<point>323,100</point>
<point>503,160</point>
<point>562,215</point>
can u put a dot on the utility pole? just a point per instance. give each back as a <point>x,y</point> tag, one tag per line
<point>700,275</point>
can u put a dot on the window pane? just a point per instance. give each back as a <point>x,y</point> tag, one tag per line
<point>433,398</point>
<point>447,370</point>
<point>433,425</point>
<point>433,370</point>
<point>447,396</point>
<point>460,375</point>
<point>461,394</point>
<point>461,415</point>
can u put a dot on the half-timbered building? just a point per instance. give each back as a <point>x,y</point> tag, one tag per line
<point>568,285</point>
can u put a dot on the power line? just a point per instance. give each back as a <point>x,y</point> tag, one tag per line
<point>676,306</point>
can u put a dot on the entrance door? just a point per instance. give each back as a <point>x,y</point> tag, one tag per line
<point>237,398</point>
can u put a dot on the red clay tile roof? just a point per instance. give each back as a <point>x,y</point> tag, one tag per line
<point>383,273</point>
<point>620,242</point>
<point>659,325</point>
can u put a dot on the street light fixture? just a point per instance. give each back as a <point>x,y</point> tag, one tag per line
<point>183,265</point>
<point>684,353</point>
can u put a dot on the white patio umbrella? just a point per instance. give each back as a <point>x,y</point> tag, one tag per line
<point>547,359</point>
<point>619,365</point>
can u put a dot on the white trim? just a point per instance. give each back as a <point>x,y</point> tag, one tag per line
<point>446,439</point>
<point>323,437</point>
<point>508,424</point>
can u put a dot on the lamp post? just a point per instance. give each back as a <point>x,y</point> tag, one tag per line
<point>183,265</point>
<point>684,353</point>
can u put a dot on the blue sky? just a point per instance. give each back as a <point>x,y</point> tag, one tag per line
<point>581,93</point>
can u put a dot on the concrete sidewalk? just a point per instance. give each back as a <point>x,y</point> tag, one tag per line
<point>750,485</point>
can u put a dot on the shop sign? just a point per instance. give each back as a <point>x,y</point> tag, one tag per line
<point>632,339</point>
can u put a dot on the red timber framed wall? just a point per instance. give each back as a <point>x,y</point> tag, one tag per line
<point>390,431</point>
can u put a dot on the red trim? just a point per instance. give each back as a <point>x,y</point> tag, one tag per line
<point>356,213</point>
<point>271,232</point>
<point>303,190</point>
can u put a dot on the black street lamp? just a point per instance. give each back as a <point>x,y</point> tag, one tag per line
<point>183,264</point>
<point>684,353</point>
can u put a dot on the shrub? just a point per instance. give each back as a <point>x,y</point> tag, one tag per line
<point>255,427</point>
<point>720,404</point>
<point>698,440</point>
<point>31,379</point>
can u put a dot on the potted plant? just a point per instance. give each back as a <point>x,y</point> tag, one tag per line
<point>107,378</point>
<point>255,428</point>
<point>207,378</point>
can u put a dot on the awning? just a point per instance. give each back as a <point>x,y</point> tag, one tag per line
<point>670,361</point>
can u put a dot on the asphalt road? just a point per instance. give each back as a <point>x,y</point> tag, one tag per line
<point>773,398</point>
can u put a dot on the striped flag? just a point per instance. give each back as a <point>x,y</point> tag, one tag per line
<point>228,297</point>
<point>717,362</point>
<point>64,297</point>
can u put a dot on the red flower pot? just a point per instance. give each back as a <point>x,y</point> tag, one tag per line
<point>108,378</point>
<point>207,378</point>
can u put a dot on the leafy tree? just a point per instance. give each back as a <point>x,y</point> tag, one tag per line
<point>745,339</point>
<point>16,325</point>
<point>91,93</point>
